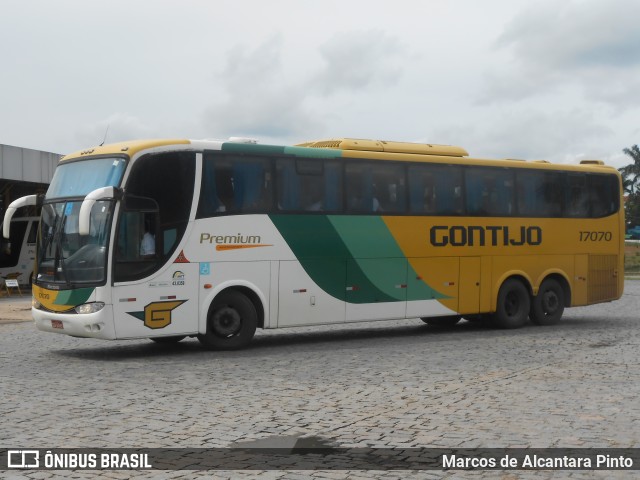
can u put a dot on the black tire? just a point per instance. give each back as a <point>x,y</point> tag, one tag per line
<point>513,305</point>
<point>548,306</point>
<point>231,322</point>
<point>168,340</point>
<point>447,321</point>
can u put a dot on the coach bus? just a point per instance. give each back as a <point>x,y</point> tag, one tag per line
<point>165,239</point>
<point>18,253</point>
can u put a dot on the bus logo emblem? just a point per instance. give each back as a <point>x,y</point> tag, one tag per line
<point>157,314</point>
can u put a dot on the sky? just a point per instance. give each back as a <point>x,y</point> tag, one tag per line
<point>529,79</point>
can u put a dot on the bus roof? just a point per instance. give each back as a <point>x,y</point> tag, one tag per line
<point>334,148</point>
<point>129,148</point>
<point>388,147</point>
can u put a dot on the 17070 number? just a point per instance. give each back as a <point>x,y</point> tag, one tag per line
<point>596,236</point>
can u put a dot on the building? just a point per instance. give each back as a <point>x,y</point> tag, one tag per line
<point>24,171</point>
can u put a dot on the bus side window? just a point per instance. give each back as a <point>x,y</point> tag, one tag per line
<point>252,185</point>
<point>389,187</point>
<point>375,187</point>
<point>234,184</point>
<point>435,189</point>
<point>577,196</point>
<point>332,201</point>
<point>288,185</point>
<point>359,185</point>
<point>603,195</point>
<point>489,191</point>
<point>214,197</point>
<point>448,191</point>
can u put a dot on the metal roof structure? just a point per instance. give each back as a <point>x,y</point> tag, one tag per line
<point>27,165</point>
<point>24,171</point>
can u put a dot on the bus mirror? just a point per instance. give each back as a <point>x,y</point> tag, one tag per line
<point>11,210</point>
<point>84,218</point>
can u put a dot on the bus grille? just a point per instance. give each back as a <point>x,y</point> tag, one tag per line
<point>603,279</point>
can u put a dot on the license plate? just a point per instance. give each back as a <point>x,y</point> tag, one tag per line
<point>57,324</point>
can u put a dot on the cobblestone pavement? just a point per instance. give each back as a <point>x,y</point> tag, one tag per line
<point>385,384</point>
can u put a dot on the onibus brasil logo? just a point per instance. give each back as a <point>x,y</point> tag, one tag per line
<point>157,314</point>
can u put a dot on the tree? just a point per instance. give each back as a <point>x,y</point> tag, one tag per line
<point>631,184</point>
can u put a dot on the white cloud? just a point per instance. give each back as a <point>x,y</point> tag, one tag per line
<point>554,47</point>
<point>117,127</point>
<point>257,98</point>
<point>354,61</point>
<point>531,134</point>
<point>261,97</point>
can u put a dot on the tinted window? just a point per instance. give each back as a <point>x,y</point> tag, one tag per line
<point>235,184</point>
<point>489,191</point>
<point>156,209</point>
<point>309,185</point>
<point>435,189</point>
<point>375,187</point>
<point>604,195</point>
<point>576,195</point>
<point>539,194</point>
<point>10,257</point>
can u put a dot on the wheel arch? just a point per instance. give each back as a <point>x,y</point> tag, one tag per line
<point>248,289</point>
<point>560,277</point>
<point>516,275</point>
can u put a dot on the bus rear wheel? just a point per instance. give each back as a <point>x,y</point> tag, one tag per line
<point>513,305</point>
<point>231,322</point>
<point>548,306</point>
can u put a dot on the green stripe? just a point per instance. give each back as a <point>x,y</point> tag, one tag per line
<point>257,149</point>
<point>352,251</point>
<point>73,297</point>
<point>313,152</point>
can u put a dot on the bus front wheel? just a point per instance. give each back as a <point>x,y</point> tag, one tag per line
<point>231,322</point>
<point>513,305</point>
<point>548,306</point>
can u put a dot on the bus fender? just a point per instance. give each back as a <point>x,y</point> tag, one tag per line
<point>548,273</point>
<point>230,284</point>
<point>519,274</point>
<point>566,284</point>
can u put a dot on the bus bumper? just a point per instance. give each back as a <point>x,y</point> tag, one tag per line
<point>91,325</point>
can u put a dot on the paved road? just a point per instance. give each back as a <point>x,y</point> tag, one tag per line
<point>386,384</point>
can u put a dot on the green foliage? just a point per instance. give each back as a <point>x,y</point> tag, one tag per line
<point>631,184</point>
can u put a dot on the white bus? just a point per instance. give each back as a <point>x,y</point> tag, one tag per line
<point>172,238</point>
<point>18,252</point>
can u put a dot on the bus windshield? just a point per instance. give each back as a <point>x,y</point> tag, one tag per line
<point>65,257</point>
<point>77,179</point>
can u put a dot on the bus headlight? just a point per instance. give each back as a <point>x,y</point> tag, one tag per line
<point>35,303</point>
<point>92,307</point>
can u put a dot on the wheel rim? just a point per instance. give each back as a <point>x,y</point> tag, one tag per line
<point>226,322</point>
<point>550,302</point>
<point>512,304</point>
